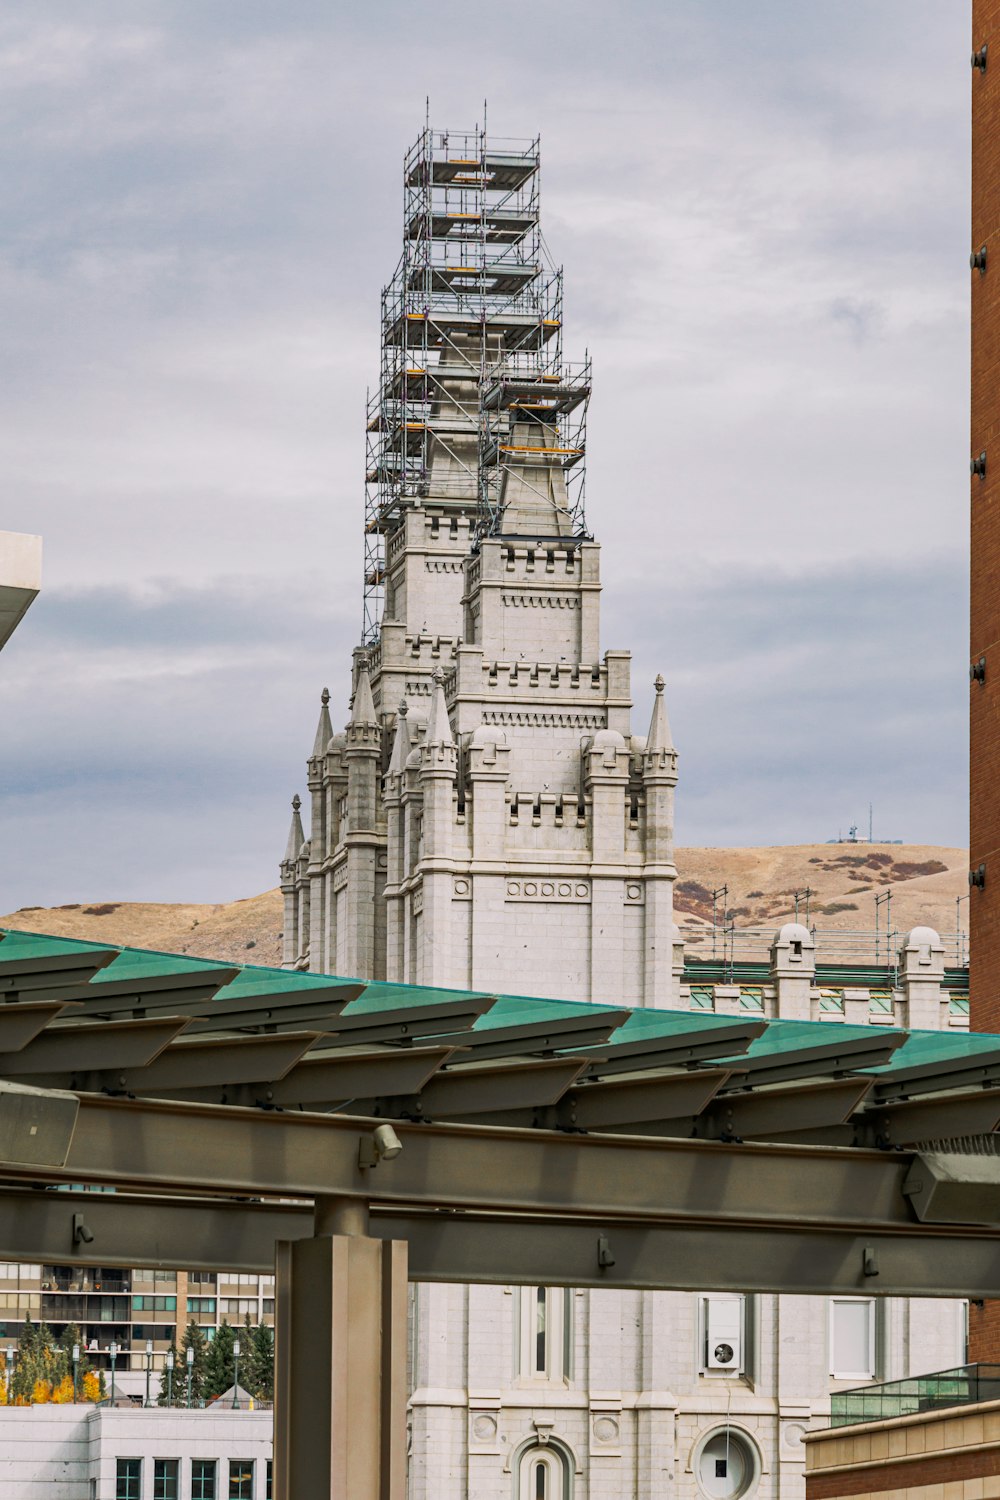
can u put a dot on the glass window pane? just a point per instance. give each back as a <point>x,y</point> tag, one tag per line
<point>540,1350</point>
<point>851,1341</point>
<point>203,1479</point>
<point>128,1479</point>
<point>165,1478</point>
<point>241,1479</point>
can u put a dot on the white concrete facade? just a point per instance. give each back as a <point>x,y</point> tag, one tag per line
<point>72,1452</point>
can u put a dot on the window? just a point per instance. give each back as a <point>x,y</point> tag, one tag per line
<point>201,1304</point>
<point>154,1304</point>
<point>726,1464</point>
<point>852,1338</point>
<point>165,1478</point>
<point>267,1491</point>
<point>543,1475</point>
<point>238,1307</point>
<point>203,1479</point>
<point>128,1479</point>
<point>723,1334</point>
<point>241,1479</point>
<point>544,1333</point>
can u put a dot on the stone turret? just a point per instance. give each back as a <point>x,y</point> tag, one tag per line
<point>392,799</point>
<point>291,886</point>
<point>437,776</point>
<point>361,920</point>
<point>659,778</point>
<point>921,978</point>
<point>793,970</point>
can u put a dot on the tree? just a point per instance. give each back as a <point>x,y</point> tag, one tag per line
<point>194,1338</point>
<point>219,1371</point>
<point>92,1386</point>
<point>62,1393</point>
<point>40,1365</point>
<point>69,1337</point>
<point>261,1374</point>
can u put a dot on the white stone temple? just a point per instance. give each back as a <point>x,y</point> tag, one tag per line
<point>489,820</point>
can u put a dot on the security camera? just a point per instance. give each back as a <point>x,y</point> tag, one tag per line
<point>382,1145</point>
<point>387,1142</point>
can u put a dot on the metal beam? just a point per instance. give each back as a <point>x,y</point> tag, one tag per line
<point>192,1233</point>
<point>942,1118</point>
<point>782,1111</point>
<point>333,1080</point>
<point>465,1091</point>
<point>77,1049</point>
<point>699,1257</point>
<point>204,1062</point>
<point>21,1023</point>
<point>153,1143</point>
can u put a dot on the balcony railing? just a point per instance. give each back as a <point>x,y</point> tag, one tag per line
<point>963,1386</point>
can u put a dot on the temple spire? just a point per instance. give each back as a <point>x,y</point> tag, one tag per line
<point>659,737</point>
<point>324,729</point>
<point>401,744</point>
<point>296,837</point>
<point>363,707</point>
<point>438,725</point>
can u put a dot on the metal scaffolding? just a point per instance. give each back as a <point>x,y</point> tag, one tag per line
<point>472,382</point>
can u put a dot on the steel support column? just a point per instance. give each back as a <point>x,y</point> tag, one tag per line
<point>340,1362</point>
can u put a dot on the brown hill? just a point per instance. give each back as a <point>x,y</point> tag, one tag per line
<point>926,881</point>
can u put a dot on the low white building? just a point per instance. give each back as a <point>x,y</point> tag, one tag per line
<point>78,1452</point>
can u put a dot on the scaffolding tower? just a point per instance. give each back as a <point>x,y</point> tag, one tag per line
<point>473,385</point>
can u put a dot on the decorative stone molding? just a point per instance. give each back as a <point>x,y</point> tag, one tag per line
<point>461,889</point>
<point>540,601</point>
<point>539,719</point>
<point>573,891</point>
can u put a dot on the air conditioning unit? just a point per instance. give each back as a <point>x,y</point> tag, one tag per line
<point>723,1333</point>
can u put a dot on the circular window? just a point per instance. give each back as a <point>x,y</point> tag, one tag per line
<point>726,1464</point>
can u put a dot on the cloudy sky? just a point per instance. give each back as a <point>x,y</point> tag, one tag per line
<point>762,210</point>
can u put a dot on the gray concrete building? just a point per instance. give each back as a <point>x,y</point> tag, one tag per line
<point>490,818</point>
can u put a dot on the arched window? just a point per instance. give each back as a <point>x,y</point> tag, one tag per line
<point>543,1334</point>
<point>543,1474</point>
<point>727,1464</point>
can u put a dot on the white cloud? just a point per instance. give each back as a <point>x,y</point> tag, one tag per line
<point>762,213</point>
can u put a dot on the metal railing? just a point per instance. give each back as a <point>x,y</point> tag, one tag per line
<point>866,946</point>
<point>962,1386</point>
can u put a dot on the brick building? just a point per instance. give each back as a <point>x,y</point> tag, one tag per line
<point>984,746</point>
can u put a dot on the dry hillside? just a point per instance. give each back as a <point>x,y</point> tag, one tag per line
<point>925,881</point>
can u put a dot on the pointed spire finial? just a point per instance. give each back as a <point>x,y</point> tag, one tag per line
<point>324,729</point>
<point>401,744</point>
<point>659,737</point>
<point>363,707</point>
<point>438,726</point>
<point>296,837</point>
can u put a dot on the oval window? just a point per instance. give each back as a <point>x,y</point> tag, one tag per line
<point>726,1465</point>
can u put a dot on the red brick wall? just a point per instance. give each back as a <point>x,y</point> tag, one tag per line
<point>984,816</point>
